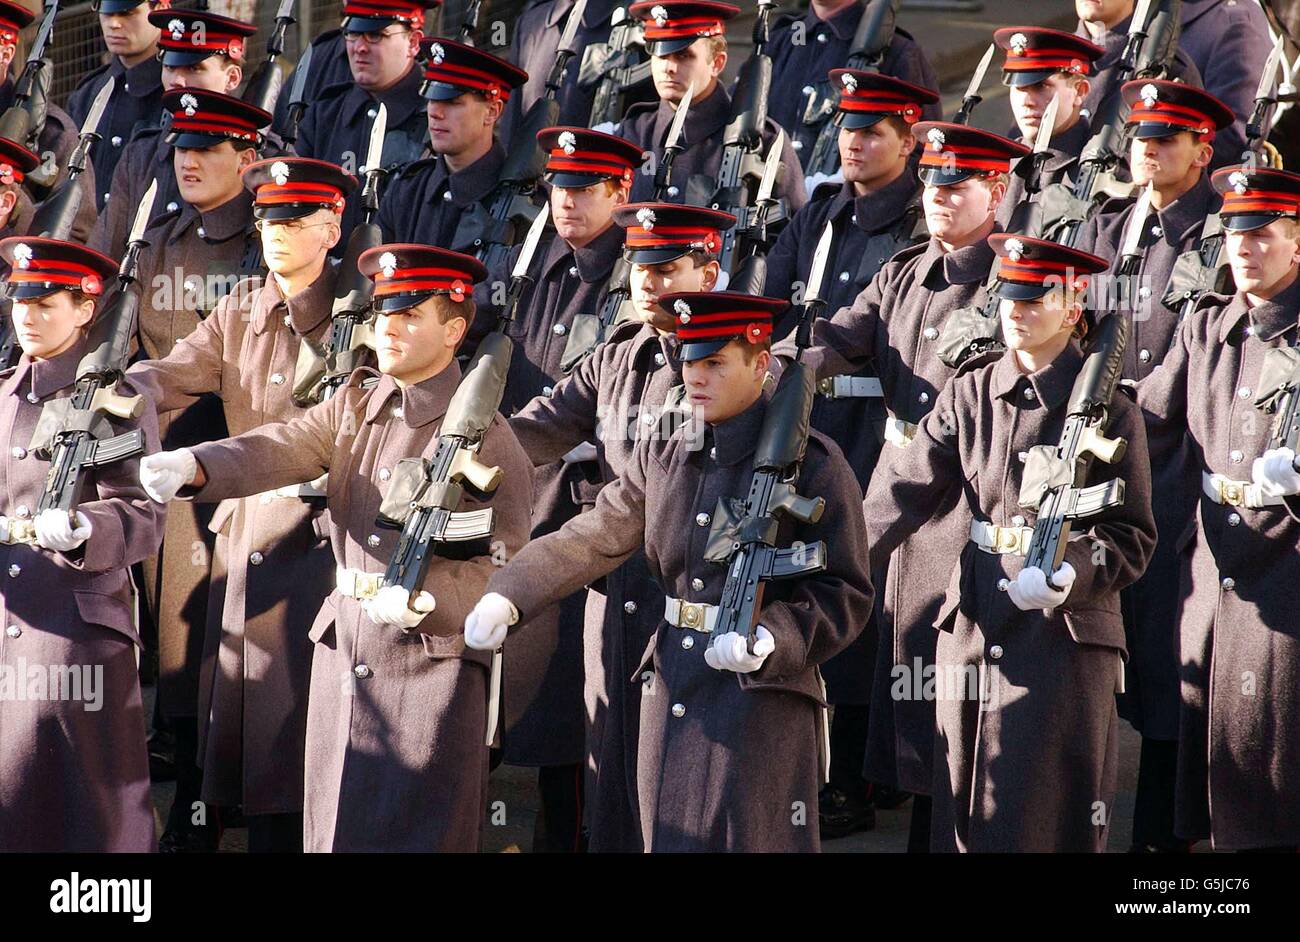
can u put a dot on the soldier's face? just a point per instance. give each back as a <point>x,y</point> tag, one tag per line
<point>380,64</point>
<point>874,153</point>
<point>414,344</point>
<point>130,33</point>
<point>1038,327</point>
<point>1171,162</point>
<point>580,214</point>
<point>1029,102</point>
<point>1264,260</point>
<point>49,325</point>
<point>724,384</point>
<point>693,67</point>
<point>957,214</point>
<point>213,74</point>
<point>463,124</point>
<point>1108,12</point>
<point>208,177</point>
<point>291,246</point>
<point>651,282</point>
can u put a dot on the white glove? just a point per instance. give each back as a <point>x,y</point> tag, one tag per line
<point>606,127</point>
<point>817,179</point>
<point>583,452</point>
<point>487,624</point>
<point>1030,589</point>
<point>729,652</point>
<point>164,474</point>
<point>392,606</point>
<point>54,530</point>
<point>1275,473</point>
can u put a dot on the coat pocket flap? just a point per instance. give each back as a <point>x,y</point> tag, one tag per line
<point>96,608</point>
<point>222,515</point>
<point>1096,626</point>
<point>324,618</point>
<point>440,647</point>
<point>805,683</point>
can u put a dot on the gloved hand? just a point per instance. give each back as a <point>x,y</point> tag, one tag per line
<point>392,605</point>
<point>585,451</point>
<point>815,180</point>
<point>162,475</point>
<point>54,530</point>
<point>606,127</point>
<point>1030,590</point>
<point>729,652</point>
<point>1275,473</point>
<point>487,624</point>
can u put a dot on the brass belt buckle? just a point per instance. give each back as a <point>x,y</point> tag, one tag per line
<point>827,386</point>
<point>1232,493</point>
<point>692,615</point>
<point>1008,539</point>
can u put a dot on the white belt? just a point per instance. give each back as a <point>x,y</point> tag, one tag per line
<point>698,616</point>
<point>898,432</point>
<point>18,530</point>
<point>850,387</point>
<point>1001,541</point>
<point>356,584</point>
<point>1224,490</point>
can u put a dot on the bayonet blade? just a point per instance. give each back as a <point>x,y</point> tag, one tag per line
<point>47,27</point>
<point>770,167</point>
<point>818,274</point>
<point>285,12</point>
<point>298,88</point>
<point>1266,80</point>
<point>1046,125</point>
<point>977,80</point>
<point>1141,13</point>
<point>525,259</point>
<point>571,27</point>
<point>679,119</point>
<point>375,149</point>
<point>91,124</point>
<point>1137,223</point>
<point>143,213</point>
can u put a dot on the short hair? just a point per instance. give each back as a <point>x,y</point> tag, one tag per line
<point>715,44</point>
<point>447,309</point>
<point>750,350</point>
<point>992,179</point>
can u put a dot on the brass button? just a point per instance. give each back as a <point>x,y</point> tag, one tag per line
<point>385,474</point>
<point>1234,519</point>
<point>256,559</point>
<point>679,710</point>
<point>361,671</point>
<point>697,584</point>
<point>659,359</point>
<point>559,330</point>
<point>629,607</point>
<point>995,652</point>
<point>1244,392</point>
<point>930,333</point>
<point>14,570</point>
<point>688,642</point>
<point>1228,584</point>
<point>23,511</point>
<point>1030,394</point>
<point>32,397</point>
<point>923,398</point>
<point>1235,456</point>
<point>372,540</point>
<point>1017,521</point>
<point>19,452</point>
<point>547,390</point>
<point>277,379</point>
<point>1002,585</point>
<point>702,520</point>
<point>13,631</point>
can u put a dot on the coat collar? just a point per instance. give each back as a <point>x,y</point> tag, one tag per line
<point>141,81</point>
<point>422,403</point>
<point>842,25</point>
<point>47,376</point>
<point>1052,384</point>
<point>476,181</point>
<point>962,266</point>
<point>708,116</point>
<point>402,100</point>
<point>306,310</point>
<point>594,261</point>
<point>736,438</point>
<point>1065,148</point>
<point>1268,320</point>
<point>1184,217</point>
<point>233,217</point>
<point>881,209</point>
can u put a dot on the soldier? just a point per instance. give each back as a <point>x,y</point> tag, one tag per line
<point>132,42</point>
<point>1028,662</point>
<point>589,174</point>
<point>628,390</point>
<point>74,774</point>
<point>900,322</point>
<point>272,569</point>
<point>382,38</point>
<point>805,47</point>
<point>397,710</point>
<point>16,208</point>
<point>1042,64</point>
<point>1238,772</point>
<point>196,253</point>
<point>199,50</point>
<point>688,49</point>
<point>876,212</point>
<point>466,89</point>
<point>328,66</point>
<point>725,763</point>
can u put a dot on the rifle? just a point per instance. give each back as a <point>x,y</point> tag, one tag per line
<point>1023,217</point>
<point>264,87</point>
<point>973,97</point>
<point>743,534</point>
<point>751,273</point>
<point>73,433</point>
<point>1055,476</point>
<point>320,371</point>
<point>469,24</point>
<point>24,120</point>
<point>867,52</point>
<point>615,68</point>
<point>55,217</point>
<point>297,97</point>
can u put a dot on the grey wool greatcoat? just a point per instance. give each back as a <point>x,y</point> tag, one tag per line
<point>1031,764</point>
<point>396,720</point>
<point>727,761</point>
<point>272,566</point>
<point>696,166</point>
<point>628,390</point>
<point>74,772</point>
<point>869,230</point>
<point>896,323</point>
<point>425,203</point>
<point>542,680</point>
<point>193,258</point>
<point>147,158</point>
<point>1239,756</point>
<point>1150,701</point>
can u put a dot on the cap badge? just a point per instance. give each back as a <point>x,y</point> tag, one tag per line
<point>280,172</point>
<point>437,53</point>
<point>936,138</point>
<point>1150,95</point>
<point>1020,44</point>
<point>646,216</point>
<point>850,83</point>
<point>177,29</point>
<point>388,264</point>
<point>660,16</point>
<point>1240,181</point>
<point>682,310</point>
<point>190,104</point>
<point>568,142</point>
<point>1015,249</point>
<point>23,255</point>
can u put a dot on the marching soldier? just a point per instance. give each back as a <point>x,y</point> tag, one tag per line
<point>132,42</point>
<point>688,49</point>
<point>806,46</point>
<point>398,705</point>
<point>271,568</point>
<point>589,174</point>
<point>1219,391</point>
<point>728,757</point>
<point>382,38</point>
<point>196,254</point>
<point>876,213</point>
<point>626,391</point>
<point>901,323</point>
<point>199,50</point>
<point>466,90</point>
<point>74,773</point>
<point>1028,661</point>
<point>16,207</point>
<point>1042,64</point>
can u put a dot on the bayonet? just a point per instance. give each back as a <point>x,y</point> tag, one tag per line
<point>91,124</point>
<point>1136,224</point>
<point>973,96</point>
<point>529,248</point>
<point>671,143</point>
<point>571,26</point>
<point>770,167</point>
<point>298,87</point>
<point>1046,126</point>
<point>142,215</point>
<point>817,275</point>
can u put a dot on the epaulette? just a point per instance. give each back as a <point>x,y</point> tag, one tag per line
<point>639,108</point>
<point>624,330</point>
